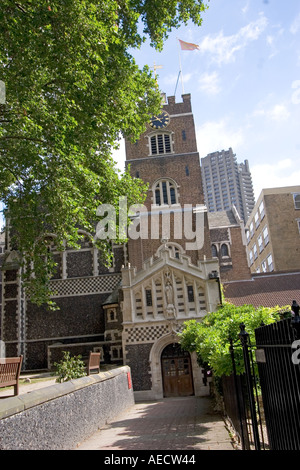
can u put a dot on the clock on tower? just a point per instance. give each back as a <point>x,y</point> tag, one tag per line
<point>160,121</point>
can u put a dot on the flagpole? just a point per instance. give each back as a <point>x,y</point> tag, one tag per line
<point>177,83</point>
<point>186,46</point>
<point>180,67</point>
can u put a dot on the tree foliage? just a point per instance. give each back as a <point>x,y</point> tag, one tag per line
<point>70,367</point>
<point>210,339</point>
<point>72,88</point>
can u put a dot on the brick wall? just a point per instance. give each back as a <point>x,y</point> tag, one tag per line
<point>183,169</point>
<point>280,219</point>
<point>137,358</point>
<point>239,257</point>
<point>283,231</point>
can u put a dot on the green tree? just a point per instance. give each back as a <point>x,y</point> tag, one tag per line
<point>210,338</point>
<point>72,88</point>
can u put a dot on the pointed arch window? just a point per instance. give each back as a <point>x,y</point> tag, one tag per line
<point>224,250</point>
<point>214,251</point>
<point>165,193</point>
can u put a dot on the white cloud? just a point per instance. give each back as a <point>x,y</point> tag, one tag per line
<point>215,136</point>
<point>296,93</point>
<point>170,79</point>
<point>276,175</point>
<point>173,80</point>
<point>223,48</point>
<point>286,163</point>
<point>273,39</point>
<point>278,112</point>
<point>209,83</point>
<point>295,26</point>
<point>187,77</point>
<point>245,8</point>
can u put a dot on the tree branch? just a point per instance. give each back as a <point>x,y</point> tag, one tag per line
<point>19,137</point>
<point>12,172</point>
<point>20,7</point>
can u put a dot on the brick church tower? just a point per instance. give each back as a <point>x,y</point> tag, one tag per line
<point>171,276</point>
<point>166,158</point>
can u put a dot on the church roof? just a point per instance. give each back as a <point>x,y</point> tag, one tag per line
<point>222,219</point>
<point>268,290</point>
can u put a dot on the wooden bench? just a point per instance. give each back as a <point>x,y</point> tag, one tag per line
<point>10,368</point>
<point>93,362</point>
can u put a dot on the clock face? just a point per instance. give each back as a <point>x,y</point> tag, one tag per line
<point>160,121</point>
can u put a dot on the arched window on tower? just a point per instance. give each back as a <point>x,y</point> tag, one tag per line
<point>165,193</point>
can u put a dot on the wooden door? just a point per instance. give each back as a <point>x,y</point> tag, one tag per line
<point>176,372</point>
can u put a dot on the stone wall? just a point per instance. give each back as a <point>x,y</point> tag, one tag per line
<point>137,357</point>
<point>80,286</point>
<point>61,416</point>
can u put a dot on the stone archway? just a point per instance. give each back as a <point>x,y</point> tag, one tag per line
<point>157,391</point>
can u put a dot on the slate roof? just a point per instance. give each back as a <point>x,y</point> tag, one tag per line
<point>268,290</point>
<point>221,219</point>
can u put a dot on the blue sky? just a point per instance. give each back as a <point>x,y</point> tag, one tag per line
<point>244,83</point>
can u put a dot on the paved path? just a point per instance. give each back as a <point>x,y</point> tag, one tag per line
<point>169,424</point>
<point>173,424</point>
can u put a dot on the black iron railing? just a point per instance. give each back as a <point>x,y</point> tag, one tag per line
<point>279,375</point>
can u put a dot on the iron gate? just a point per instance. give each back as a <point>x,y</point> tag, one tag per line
<point>266,411</point>
<point>279,374</point>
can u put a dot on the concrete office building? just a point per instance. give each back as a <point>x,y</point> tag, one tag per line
<point>227,183</point>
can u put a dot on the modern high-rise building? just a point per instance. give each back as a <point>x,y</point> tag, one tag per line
<point>227,183</point>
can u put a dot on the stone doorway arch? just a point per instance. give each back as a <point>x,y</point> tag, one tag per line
<point>176,371</point>
<point>156,368</point>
